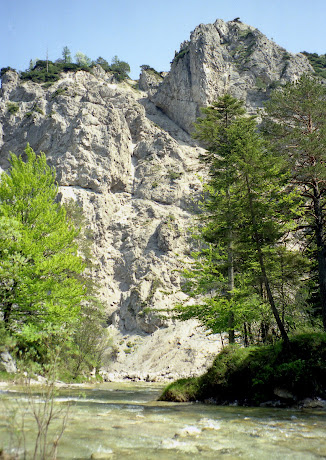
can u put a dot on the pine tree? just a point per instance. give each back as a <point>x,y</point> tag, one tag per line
<point>212,131</point>
<point>66,55</point>
<point>296,125</point>
<point>248,213</point>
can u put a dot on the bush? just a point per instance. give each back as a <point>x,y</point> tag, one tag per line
<point>152,71</point>
<point>174,175</point>
<point>318,62</point>
<point>12,108</point>
<point>120,69</point>
<point>252,375</point>
<point>180,55</point>
<point>4,70</point>
<point>49,72</point>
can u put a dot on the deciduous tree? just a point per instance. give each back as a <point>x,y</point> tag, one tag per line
<point>41,288</point>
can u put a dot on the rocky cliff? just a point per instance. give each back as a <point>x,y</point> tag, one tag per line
<point>125,155</point>
<point>224,57</point>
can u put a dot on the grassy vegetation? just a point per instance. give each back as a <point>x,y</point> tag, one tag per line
<point>7,377</point>
<point>258,374</point>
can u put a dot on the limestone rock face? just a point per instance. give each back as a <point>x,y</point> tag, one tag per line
<point>224,57</point>
<point>7,363</point>
<point>134,171</point>
<point>149,80</point>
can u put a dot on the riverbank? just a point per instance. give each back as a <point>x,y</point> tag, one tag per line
<point>273,375</point>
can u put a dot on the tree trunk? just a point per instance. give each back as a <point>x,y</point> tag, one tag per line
<point>262,267</point>
<point>230,277</point>
<point>230,291</point>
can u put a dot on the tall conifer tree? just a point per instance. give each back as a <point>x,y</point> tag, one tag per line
<point>295,123</point>
<point>248,212</point>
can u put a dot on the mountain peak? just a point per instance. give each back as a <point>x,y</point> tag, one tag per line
<point>225,57</point>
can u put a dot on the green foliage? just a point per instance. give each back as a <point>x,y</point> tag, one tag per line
<point>183,390</point>
<point>43,71</point>
<point>174,175</point>
<point>252,375</point>
<point>40,406</point>
<point>245,34</point>
<point>7,342</point>
<point>103,63</point>
<point>217,117</point>
<point>34,109</point>
<point>90,341</point>
<point>48,72</point>
<point>244,47</point>
<point>260,83</point>
<point>83,60</point>
<point>295,123</point>
<point>12,108</point>
<point>58,92</point>
<point>41,289</point>
<point>120,69</point>
<point>3,70</point>
<point>66,55</point>
<point>152,71</point>
<point>318,63</point>
<point>248,209</point>
<point>181,54</point>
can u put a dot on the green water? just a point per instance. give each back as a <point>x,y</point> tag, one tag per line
<point>124,421</point>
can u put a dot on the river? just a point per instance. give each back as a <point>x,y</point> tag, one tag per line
<point>125,421</point>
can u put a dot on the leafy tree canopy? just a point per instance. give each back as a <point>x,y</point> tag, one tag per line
<point>120,69</point>
<point>41,288</point>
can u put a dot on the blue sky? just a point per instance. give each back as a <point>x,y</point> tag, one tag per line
<point>143,31</point>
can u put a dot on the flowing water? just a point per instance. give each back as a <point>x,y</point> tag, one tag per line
<point>124,421</point>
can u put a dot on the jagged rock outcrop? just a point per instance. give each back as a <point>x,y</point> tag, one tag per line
<point>149,80</point>
<point>224,57</point>
<point>133,169</point>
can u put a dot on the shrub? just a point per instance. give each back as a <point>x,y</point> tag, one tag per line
<point>251,375</point>
<point>180,55</point>
<point>120,69</point>
<point>58,92</point>
<point>152,71</point>
<point>12,108</point>
<point>49,72</point>
<point>174,175</point>
<point>318,62</point>
<point>4,70</point>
